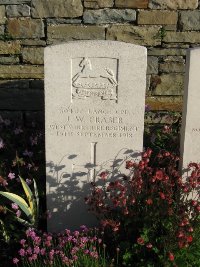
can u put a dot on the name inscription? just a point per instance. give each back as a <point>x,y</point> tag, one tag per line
<point>96,123</point>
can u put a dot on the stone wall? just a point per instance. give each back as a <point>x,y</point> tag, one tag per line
<point>166,27</point>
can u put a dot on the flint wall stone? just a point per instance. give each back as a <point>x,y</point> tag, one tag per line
<point>169,84</point>
<point>33,55</point>
<point>75,32</point>
<point>21,72</point>
<point>131,3</point>
<point>26,28</point>
<point>182,37</point>
<point>109,16</point>
<point>14,2</point>
<point>157,17</point>
<point>190,20</point>
<point>58,8</point>
<point>173,4</point>
<point>98,3</point>
<point>147,36</point>
<point>11,47</point>
<point>18,11</point>
<point>2,15</point>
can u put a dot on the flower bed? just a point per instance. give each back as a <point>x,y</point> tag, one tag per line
<point>146,215</point>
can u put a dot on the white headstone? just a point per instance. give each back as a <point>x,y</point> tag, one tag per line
<point>190,132</point>
<point>94,109</point>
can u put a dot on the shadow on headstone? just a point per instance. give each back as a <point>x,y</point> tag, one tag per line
<point>68,185</point>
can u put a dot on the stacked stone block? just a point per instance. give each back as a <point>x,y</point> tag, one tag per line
<point>166,27</point>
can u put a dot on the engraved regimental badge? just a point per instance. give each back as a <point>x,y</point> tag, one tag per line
<point>94,78</point>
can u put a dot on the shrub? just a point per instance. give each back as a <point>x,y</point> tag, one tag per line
<point>151,212</point>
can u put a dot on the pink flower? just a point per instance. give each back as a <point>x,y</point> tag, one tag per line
<point>18,131</point>
<point>15,260</point>
<point>140,241</point>
<point>103,175</point>
<point>22,242</point>
<point>14,206</point>
<point>28,181</point>
<point>190,230</point>
<point>76,233</point>
<point>42,251</point>
<point>1,143</point>
<point>194,203</point>
<point>189,239</point>
<point>159,175</point>
<point>29,250</point>
<point>30,233</point>
<point>149,245</point>
<point>36,250</point>
<point>171,256</point>
<point>162,195</point>
<point>28,153</point>
<point>34,257</point>
<point>22,252</point>
<point>18,213</point>
<point>11,175</point>
<point>149,201</point>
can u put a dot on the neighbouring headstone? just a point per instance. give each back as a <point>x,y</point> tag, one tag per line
<point>94,116</point>
<point>190,132</point>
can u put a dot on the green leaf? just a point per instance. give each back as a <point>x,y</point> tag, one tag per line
<point>19,201</point>
<point>36,193</point>
<point>28,193</point>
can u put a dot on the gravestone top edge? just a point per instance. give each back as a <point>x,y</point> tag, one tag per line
<point>97,42</point>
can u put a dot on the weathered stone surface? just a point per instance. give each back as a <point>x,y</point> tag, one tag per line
<point>109,16</point>
<point>58,8</point>
<point>2,15</point>
<point>75,32</point>
<point>98,3</point>
<point>172,27</point>
<point>157,17</point>
<point>11,47</point>
<point>19,99</point>
<point>26,28</point>
<point>148,81</point>
<point>182,37</point>
<point>190,145</point>
<point>33,55</point>
<point>73,72</point>
<point>62,21</point>
<point>9,60</point>
<point>152,65</point>
<point>190,20</point>
<point>167,103</point>
<point>176,45</point>
<point>178,59</point>
<point>33,42</point>
<point>167,84</point>
<point>172,67</point>
<point>132,3</point>
<point>14,2</point>
<point>173,4</point>
<point>18,10</point>
<point>148,35</point>
<point>21,72</point>
<point>166,52</point>
<point>2,30</point>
